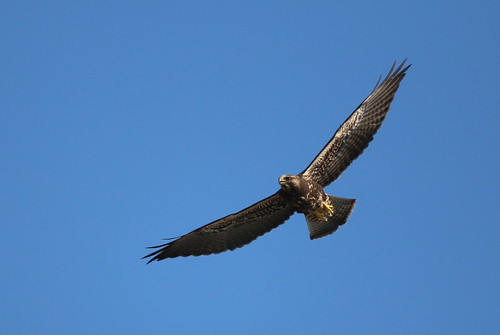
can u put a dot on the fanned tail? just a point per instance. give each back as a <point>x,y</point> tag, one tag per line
<point>342,209</point>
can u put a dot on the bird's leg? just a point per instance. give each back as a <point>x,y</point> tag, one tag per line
<point>328,207</point>
<point>323,212</point>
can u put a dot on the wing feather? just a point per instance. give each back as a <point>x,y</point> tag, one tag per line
<point>354,135</point>
<point>230,232</point>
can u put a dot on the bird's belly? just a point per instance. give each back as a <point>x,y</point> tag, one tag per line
<point>307,204</point>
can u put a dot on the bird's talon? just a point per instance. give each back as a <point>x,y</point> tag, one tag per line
<point>329,208</point>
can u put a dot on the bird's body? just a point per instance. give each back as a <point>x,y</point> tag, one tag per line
<point>303,193</point>
<point>307,197</point>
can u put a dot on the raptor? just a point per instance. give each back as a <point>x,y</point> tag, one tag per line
<point>302,193</point>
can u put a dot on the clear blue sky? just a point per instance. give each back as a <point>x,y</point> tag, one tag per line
<point>125,122</point>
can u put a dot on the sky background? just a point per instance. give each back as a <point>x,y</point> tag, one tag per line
<point>125,122</point>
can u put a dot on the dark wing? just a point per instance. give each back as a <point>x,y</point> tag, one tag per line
<point>356,132</point>
<point>230,232</point>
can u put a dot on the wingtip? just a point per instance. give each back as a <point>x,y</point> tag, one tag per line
<point>152,259</point>
<point>393,72</point>
<point>155,254</point>
<point>400,68</point>
<point>155,258</point>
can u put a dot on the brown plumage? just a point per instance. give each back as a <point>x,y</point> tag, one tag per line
<point>302,193</point>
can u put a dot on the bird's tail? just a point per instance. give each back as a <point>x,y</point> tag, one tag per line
<point>342,208</point>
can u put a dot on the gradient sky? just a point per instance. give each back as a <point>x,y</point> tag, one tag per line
<point>125,122</point>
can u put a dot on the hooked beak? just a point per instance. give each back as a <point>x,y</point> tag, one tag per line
<point>284,179</point>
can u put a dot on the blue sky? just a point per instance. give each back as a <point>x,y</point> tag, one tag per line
<point>124,122</point>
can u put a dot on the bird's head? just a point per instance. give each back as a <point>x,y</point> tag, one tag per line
<point>289,182</point>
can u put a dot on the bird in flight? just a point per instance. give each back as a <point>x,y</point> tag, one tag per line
<point>303,193</point>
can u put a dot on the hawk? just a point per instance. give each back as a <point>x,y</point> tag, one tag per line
<point>303,193</point>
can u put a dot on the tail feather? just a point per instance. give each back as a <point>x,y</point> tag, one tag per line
<point>342,209</point>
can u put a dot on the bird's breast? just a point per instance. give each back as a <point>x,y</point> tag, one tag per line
<point>307,197</point>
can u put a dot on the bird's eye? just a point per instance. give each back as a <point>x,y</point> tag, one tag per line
<point>287,178</point>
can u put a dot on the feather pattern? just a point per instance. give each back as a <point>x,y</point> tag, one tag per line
<point>230,232</point>
<point>354,135</point>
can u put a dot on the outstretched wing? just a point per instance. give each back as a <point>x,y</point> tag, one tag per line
<point>356,132</point>
<point>230,232</point>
